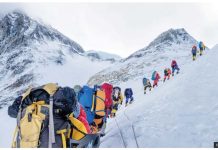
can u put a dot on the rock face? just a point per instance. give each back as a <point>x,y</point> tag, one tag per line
<point>25,46</point>
<point>172,44</point>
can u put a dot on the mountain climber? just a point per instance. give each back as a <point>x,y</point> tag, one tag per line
<point>174,66</point>
<point>37,106</point>
<point>167,73</point>
<point>201,47</point>
<point>129,95</point>
<point>117,100</point>
<point>155,77</point>
<point>146,84</point>
<point>194,52</point>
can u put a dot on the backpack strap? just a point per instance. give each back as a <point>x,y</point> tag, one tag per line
<point>51,123</point>
<point>93,102</point>
<point>14,143</point>
<point>63,138</point>
<point>51,88</point>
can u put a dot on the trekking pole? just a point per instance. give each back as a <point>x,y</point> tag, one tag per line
<point>51,123</point>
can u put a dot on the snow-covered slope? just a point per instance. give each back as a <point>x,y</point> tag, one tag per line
<point>182,112</point>
<point>172,44</point>
<point>34,53</point>
<point>215,47</point>
<point>102,56</point>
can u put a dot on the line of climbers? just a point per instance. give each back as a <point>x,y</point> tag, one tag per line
<point>167,71</point>
<point>156,76</point>
<point>63,117</point>
<point>201,47</point>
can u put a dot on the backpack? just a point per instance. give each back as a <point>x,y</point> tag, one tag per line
<point>33,117</point>
<point>108,88</point>
<point>169,71</point>
<point>128,92</point>
<point>35,129</point>
<point>144,81</point>
<point>153,77</point>
<point>166,71</point>
<point>200,44</point>
<point>93,102</point>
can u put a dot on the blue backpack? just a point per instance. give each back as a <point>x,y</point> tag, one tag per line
<point>153,75</point>
<point>128,92</point>
<point>93,102</point>
<point>200,44</point>
<point>145,81</point>
<point>85,98</point>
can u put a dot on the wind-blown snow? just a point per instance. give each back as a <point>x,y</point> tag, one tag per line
<point>182,112</point>
<point>103,55</point>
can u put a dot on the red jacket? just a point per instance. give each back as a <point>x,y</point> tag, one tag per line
<point>82,117</point>
<point>108,89</point>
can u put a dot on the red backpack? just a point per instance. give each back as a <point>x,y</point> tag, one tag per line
<point>173,63</point>
<point>108,88</point>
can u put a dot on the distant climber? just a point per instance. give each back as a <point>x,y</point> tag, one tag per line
<point>175,67</point>
<point>129,96</point>
<point>147,84</point>
<point>167,73</point>
<point>117,100</point>
<point>194,52</point>
<point>155,77</point>
<point>201,47</point>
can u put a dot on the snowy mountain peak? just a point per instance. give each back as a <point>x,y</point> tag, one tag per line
<point>17,26</point>
<point>172,36</point>
<point>26,48</point>
<point>167,40</point>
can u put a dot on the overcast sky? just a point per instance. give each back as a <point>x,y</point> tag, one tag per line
<point>123,28</point>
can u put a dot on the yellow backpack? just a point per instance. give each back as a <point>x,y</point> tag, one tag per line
<point>31,122</point>
<point>78,129</point>
<point>78,136</point>
<point>30,119</point>
<point>99,108</point>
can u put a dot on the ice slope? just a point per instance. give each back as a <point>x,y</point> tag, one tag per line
<point>182,112</point>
